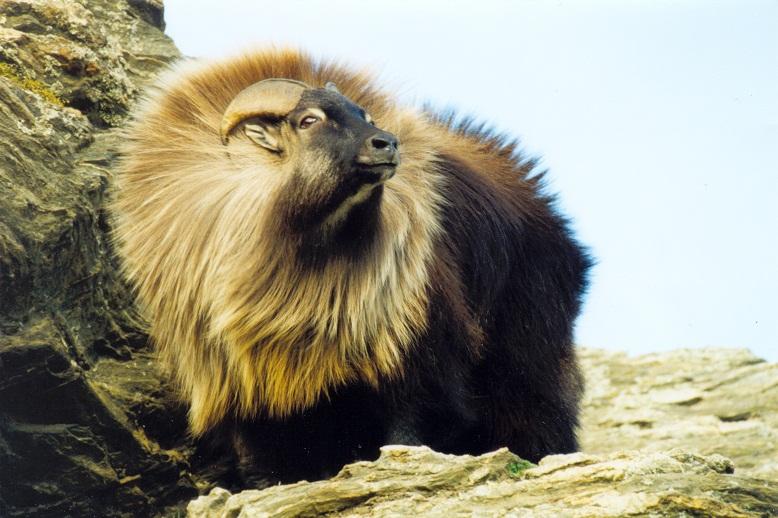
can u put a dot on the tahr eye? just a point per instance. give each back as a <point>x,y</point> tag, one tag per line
<point>307,121</point>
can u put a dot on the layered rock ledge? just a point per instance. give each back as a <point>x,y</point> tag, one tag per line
<point>681,433</point>
<point>416,481</point>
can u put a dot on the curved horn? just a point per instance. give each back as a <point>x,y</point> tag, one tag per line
<point>270,96</point>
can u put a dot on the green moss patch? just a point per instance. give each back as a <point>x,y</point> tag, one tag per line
<point>515,467</point>
<point>25,82</point>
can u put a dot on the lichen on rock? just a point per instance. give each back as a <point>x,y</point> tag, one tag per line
<point>21,80</point>
<point>80,426</point>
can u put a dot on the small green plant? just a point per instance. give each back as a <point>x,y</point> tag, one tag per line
<point>517,466</point>
<point>21,80</point>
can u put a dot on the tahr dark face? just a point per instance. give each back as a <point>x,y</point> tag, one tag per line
<point>339,162</point>
<point>330,125</point>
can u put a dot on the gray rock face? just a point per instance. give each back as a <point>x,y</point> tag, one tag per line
<point>84,429</point>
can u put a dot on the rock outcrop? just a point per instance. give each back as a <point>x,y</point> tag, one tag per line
<point>415,481</point>
<point>86,424</point>
<point>84,427</point>
<point>708,401</point>
<point>684,433</point>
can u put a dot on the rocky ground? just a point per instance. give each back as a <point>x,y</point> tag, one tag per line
<point>413,481</point>
<point>683,433</point>
<point>87,428</point>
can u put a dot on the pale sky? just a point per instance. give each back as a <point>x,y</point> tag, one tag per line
<point>658,121</point>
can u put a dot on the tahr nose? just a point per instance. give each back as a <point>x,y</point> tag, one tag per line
<point>383,141</point>
<point>380,149</point>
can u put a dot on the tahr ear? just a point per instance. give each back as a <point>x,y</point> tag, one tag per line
<point>264,133</point>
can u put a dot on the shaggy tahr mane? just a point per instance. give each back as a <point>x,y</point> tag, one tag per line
<point>243,326</point>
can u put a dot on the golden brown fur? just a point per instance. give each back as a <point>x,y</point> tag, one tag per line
<point>314,300</point>
<point>242,330</point>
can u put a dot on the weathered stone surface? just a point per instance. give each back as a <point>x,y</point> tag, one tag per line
<point>65,448</point>
<point>706,401</point>
<point>656,434</point>
<point>84,427</point>
<point>89,54</point>
<point>407,481</point>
